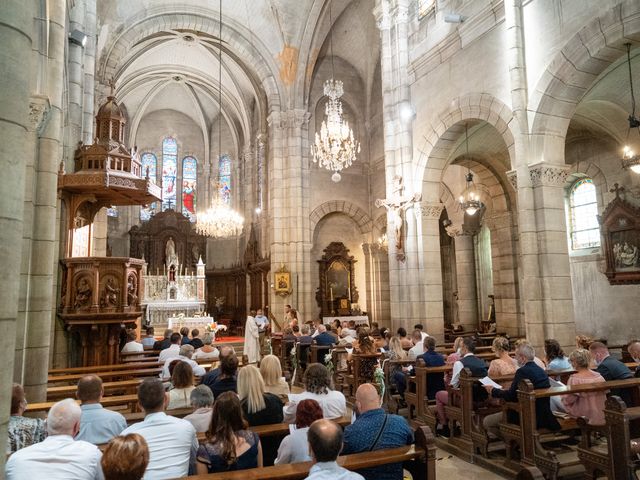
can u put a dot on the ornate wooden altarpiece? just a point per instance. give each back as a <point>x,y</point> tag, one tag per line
<point>620,228</point>
<point>148,241</point>
<point>337,290</point>
<point>100,295</point>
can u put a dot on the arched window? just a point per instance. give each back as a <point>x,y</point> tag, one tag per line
<point>189,184</point>
<point>224,178</point>
<point>583,211</point>
<point>169,173</point>
<point>425,7</point>
<point>150,162</point>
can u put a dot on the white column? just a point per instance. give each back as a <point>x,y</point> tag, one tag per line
<point>466,280</point>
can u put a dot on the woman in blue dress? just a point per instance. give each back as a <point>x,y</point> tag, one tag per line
<point>230,445</point>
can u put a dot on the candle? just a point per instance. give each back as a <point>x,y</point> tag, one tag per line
<point>331,290</point>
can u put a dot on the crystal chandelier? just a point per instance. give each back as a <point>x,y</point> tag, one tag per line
<point>630,159</point>
<point>469,200</point>
<point>220,220</point>
<point>334,148</point>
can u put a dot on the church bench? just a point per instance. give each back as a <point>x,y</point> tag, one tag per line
<point>390,399</point>
<point>317,353</point>
<point>130,401</point>
<point>126,356</point>
<point>135,417</point>
<point>360,369</point>
<point>100,368</point>
<point>109,375</point>
<point>531,440</point>
<point>618,458</point>
<point>419,458</point>
<point>110,388</point>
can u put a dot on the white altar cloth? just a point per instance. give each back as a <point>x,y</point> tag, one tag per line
<point>176,323</point>
<point>361,320</point>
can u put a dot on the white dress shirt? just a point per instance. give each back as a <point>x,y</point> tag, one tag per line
<point>58,457</point>
<point>333,404</point>
<point>424,335</point>
<point>99,425</point>
<point>198,370</point>
<point>416,350</point>
<point>202,355</point>
<point>171,352</point>
<point>172,445</point>
<point>294,448</point>
<point>331,471</point>
<point>132,347</point>
<point>457,368</point>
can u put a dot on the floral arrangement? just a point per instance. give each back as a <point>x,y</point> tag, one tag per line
<point>378,376</point>
<point>294,363</point>
<point>328,361</point>
<point>214,327</point>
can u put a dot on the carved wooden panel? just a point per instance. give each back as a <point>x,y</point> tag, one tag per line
<point>337,289</point>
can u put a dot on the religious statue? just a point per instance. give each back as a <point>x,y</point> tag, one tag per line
<point>110,294</point>
<point>83,294</point>
<point>396,205</point>
<point>132,290</point>
<point>170,253</point>
<point>626,256</point>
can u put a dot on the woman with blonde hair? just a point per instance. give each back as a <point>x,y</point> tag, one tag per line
<point>271,372</point>
<point>588,404</point>
<point>258,406</point>
<point>504,364</point>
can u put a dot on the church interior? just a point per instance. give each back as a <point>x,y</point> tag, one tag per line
<point>468,166</point>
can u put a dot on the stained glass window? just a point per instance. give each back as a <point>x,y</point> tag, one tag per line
<point>425,6</point>
<point>169,173</point>
<point>189,184</point>
<point>150,162</point>
<point>224,178</point>
<point>112,211</point>
<point>583,211</point>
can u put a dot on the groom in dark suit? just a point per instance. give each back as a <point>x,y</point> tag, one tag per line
<point>538,377</point>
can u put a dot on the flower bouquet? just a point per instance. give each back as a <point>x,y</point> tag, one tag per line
<point>214,327</point>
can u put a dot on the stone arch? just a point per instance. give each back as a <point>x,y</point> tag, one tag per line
<point>574,69</point>
<point>362,219</point>
<point>148,22</point>
<point>437,144</point>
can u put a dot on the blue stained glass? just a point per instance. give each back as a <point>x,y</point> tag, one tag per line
<point>169,173</point>
<point>149,161</point>
<point>224,178</point>
<point>189,187</point>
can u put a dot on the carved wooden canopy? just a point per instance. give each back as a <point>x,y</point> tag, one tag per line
<point>149,240</point>
<point>620,229</point>
<point>337,280</point>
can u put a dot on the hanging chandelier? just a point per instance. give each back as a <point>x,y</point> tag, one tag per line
<point>334,148</point>
<point>469,200</point>
<point>220,220</point>
<point>630,159</point>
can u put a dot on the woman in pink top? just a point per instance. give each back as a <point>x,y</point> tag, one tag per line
<point>590,405</point>
<point>504,364</point>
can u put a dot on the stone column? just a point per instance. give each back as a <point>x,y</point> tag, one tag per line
<point>547,182</point>
<point>289,208</point>
<point>89,71</point>
<point>44,245</point>
<point>16,29</point>
<point>433,315</point>
<point>466,279</point>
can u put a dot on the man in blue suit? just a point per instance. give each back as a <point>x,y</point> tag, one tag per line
<point>538,377</point>
<point>611,369</point>
<point>324,338</point>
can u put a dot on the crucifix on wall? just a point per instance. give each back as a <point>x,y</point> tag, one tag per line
<point>396,205</point>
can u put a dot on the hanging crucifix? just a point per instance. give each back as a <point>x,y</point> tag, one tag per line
<point>396,206</point>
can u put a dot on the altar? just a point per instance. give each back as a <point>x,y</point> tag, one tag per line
<point>360,320</point>
<point>176,323</point>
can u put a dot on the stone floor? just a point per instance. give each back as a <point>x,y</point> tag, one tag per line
<point>451,467</point>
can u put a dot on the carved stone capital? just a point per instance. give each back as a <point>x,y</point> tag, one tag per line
<point>290,119</point>
<point>382,15</point>
<point>545,175</point>
<point>429,210</point>
<point>39,106</point>
<point>512,176</point>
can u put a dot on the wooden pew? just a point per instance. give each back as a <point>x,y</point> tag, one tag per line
<point>101,368</point>
<point>129,401</point>
<point>135,417</point>
<point>108,375</point>
<point>360,369</point>
<point>128,356</point>
<point>531,440</point>
<point>317,353</point>
<point>69,391</point>
<point>619,457</point>
<point>421,456</point>
<point>390,399</point>
<point>416,395</point>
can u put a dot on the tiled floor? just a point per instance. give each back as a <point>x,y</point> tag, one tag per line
<point>449,467</point>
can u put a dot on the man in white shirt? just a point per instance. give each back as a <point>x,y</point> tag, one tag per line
<point>418,326</point>
<point>325,444</point>
<point>132,345</point>
<point>98,425</point>
<point>185,352</point>
<point>58,457</point>
<point>418,345</point>
<point>173,350</point>
<point>172,441</point>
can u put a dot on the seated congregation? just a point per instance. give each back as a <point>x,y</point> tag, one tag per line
<point>499,405</point>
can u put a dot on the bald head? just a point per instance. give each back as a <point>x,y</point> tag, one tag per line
<point>634,350</point>
<point>367,398</point>
<point>64,418</point>
<point>325,440</point>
